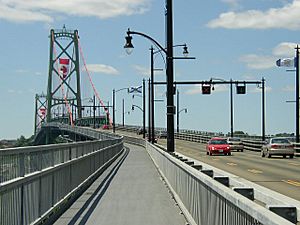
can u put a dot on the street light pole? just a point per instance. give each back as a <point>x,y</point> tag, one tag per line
<point>94,109</point>
<point>152,95</point>
<point>144,108</point>
<point>114,117</point>
<point>263,110</point>
<point>177,107</point>
<point>123,106</point>
<point>149,111</point>
<point>231,109</point>
<point>297,94</point>
<point>170,78</point>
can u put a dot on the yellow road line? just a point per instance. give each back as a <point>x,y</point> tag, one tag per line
<point>292,182</point>
<point>255,171</point>
<point>295,164</point>
<point>231,164</point>
<point>216,159</point>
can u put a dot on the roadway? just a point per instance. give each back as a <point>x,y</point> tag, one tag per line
<point>130,192</point>
<point>276,173</point>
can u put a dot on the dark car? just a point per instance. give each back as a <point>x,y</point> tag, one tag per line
<point>161,134</point>
<point>140,131</point>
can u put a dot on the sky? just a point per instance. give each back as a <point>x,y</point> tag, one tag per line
<point>231,39</point>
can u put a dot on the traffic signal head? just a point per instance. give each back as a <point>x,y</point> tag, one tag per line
<point>241,89</point>
<point>206,89</point>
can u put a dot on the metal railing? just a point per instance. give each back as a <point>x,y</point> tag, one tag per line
<point>35,180</point>
<point>206,200</point>
<point>203,200</point>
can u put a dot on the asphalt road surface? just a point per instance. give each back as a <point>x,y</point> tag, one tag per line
<point>276,173</point>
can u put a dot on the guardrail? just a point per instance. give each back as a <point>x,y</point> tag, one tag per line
<point>206,200</point>
<point>251,143</point>
<point>208,195</point>
<point>37,180</point>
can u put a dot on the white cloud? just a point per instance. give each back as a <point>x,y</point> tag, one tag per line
<point>288,88</point>
<point>287,17</point>
<point>197,89</point>
<point>100,68</point>
<point>141,70</point>
<point>194,90</point>
<point>258,89</point>
<point>285,49</point>
<point>45,10</point>
<point>258,61</point>
<point>220,88</point>
<point>145,71</point>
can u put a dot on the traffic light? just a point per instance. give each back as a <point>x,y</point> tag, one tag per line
<point>241,89</point>
<point>206,89</point>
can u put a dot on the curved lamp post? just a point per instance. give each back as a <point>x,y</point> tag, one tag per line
<point>169,71</point>
<point>179,111</point>
<point>185,53</point>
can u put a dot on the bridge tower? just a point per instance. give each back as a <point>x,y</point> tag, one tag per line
<point>63,91</point>
<point>40,111</point>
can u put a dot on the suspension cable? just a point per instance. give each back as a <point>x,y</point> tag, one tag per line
<point>93,86</point>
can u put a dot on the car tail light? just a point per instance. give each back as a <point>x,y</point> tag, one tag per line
<point>275,146</point>
<point>227,147</point>
<point>290,146</point>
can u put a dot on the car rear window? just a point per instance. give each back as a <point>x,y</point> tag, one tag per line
<point>234,139</point>
<point>218,142</point>
<point>280,141</point>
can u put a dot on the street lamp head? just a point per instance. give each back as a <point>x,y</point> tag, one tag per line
<point>185,51</point>
<point>128,45</point>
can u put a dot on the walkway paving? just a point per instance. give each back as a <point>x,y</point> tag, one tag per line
<point>132,193</point>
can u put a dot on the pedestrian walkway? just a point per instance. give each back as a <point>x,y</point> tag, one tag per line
<point>131,192</point>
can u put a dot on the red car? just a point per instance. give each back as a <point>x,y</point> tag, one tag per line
<point>218,146</point>
<point>105,127</point>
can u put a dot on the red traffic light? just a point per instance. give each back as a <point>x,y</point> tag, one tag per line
<point>206,89</point>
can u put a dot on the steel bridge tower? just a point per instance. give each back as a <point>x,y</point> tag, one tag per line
<point>63,91</point>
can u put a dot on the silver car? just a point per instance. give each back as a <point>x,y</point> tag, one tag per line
<point>278,146</point>
<point>235,144</point>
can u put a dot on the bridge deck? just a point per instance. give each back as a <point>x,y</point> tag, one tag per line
<point>132,193</point>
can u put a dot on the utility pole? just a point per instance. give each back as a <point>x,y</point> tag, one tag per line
<point>170,77</point>
<point>144,108</point>
<point>177,107</point>
<point>297,94</point>
<point>149,111</point>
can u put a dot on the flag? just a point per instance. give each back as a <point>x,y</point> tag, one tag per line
<point>135,89</point>
<point>287,62</point>
<point>64,67</point>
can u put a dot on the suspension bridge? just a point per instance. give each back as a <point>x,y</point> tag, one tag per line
<point>119,178</point>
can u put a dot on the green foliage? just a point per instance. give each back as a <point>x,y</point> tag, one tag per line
<point>22,141</point>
